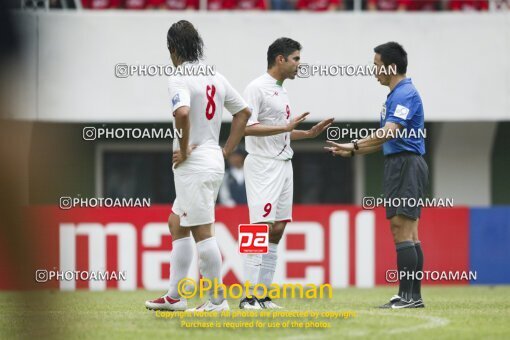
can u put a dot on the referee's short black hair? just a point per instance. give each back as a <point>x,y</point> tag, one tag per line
<point>183,40</point>
<point>393,53</point>
<point>281,46</point>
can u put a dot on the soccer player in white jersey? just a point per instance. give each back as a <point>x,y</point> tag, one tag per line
<point>198,163</point>
<point>268,167</point>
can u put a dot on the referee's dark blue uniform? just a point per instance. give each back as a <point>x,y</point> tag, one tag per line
<point>405,170</point>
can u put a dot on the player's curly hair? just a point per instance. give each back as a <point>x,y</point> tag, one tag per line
<point>184,41</point>
<point>281,46</point>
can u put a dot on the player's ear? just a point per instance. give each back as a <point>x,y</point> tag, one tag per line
<point>391,70</point>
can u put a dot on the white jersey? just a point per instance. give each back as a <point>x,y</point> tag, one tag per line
<point>205,95</point>
<point>269,105</point>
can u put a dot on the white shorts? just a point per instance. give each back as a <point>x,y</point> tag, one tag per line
<point>196,197</point>
<point>197,190</point>
<point>269,189</point>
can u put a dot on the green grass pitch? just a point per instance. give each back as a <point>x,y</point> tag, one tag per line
<point>452,312</point>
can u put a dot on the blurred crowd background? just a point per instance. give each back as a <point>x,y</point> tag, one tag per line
<point>268,5</point>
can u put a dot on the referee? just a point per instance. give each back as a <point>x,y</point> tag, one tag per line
<point>405,170</point>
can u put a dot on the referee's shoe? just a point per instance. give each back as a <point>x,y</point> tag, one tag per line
<point>397,302</point>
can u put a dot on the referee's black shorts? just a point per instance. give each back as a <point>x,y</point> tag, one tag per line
<point>406,175</point>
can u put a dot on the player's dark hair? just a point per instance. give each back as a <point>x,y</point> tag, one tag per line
<point>183,40</point>
<point>393,53</point>
<point>281,46</point>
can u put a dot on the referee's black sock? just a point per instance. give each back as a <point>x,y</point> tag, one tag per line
<point>419,268</point>
<point>406,262</point>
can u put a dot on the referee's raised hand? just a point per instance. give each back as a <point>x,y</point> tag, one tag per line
<point>343,150</point>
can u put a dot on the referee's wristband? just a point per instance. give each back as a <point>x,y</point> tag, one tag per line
<point>355,143</point>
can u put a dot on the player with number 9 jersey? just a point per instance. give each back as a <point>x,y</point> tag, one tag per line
<point>268,166</point>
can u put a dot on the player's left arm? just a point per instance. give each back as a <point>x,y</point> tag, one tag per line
<point>236,131</point>
<point>236,105</point>
<point>316,130</point>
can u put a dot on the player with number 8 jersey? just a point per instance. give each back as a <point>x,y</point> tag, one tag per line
<point>196,102</point>
<point>206,96</point>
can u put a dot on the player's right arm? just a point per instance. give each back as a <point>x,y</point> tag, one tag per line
<point>269,130</point>
<point>180,100</point>
<point>254,98</point>
<point>182,123</point>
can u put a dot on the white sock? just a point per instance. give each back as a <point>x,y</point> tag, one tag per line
<point>180,261</point>
<point>209,262</point>
<point>251,268</point>
<point>268,266</point>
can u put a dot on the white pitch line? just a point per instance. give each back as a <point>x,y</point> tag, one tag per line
<point>433,322</point>
<point>303,337</point>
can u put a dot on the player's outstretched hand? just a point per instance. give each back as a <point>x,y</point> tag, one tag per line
<point>294,122</point>
<point>178,157</point>
<point>343,150</point>
<point>318,128</point>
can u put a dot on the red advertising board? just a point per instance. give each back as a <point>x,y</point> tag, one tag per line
<point>337,244</point>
